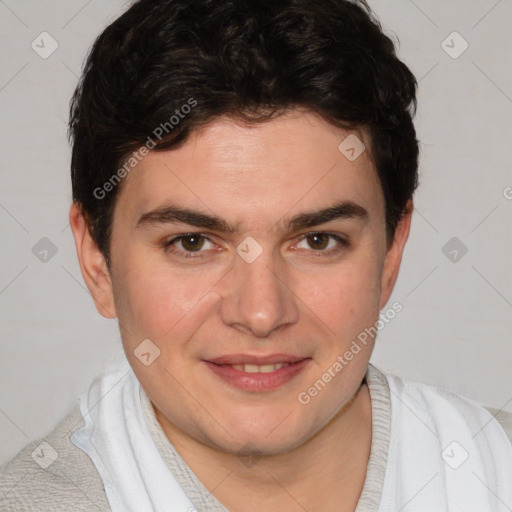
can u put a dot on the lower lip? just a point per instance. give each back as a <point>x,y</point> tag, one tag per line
<point>257,381</point>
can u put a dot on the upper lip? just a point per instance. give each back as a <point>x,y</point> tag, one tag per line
<point>255,359</point>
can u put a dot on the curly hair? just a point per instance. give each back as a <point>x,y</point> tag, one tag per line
<point>249,59</point>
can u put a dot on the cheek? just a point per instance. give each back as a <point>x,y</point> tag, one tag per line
<point>152,299</point>
<point>346,299</point>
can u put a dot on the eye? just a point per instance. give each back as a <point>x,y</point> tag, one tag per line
<point>190,243</point>
<point>323,242</point>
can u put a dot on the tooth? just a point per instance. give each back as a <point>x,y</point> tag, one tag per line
<point>262,368</point>
<point>267,368</point>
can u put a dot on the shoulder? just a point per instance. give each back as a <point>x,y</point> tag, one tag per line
<point>52,474</point>
<point>416,392</point>
<point>504,418</point>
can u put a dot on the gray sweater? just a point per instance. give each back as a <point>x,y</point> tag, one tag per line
<point>72,483</point>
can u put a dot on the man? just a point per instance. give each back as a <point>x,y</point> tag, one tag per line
<point>243,175</point>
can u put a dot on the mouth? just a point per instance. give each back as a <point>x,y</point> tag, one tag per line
<point>257,373</point>
<point>261,368</point>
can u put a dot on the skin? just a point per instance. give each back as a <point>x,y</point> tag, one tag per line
<point>292,299</point>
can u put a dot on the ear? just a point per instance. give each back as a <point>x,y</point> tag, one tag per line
<point>394,255</point>
<point>92,264</point>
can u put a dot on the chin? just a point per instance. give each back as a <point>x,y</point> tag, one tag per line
<point>276,434</point>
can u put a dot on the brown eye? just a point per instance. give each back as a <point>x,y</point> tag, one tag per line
<point>318,240</point>
<point>192,242</point>
<point>323,244</point>
<point>189,245</point>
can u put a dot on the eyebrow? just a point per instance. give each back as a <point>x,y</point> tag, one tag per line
<point>172,214</point>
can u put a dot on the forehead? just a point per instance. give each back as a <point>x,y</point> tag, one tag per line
<point>287,164</point>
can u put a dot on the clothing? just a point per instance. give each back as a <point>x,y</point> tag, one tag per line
<point>72,482</point>
<point>445,453</point>
<point>116,437</point>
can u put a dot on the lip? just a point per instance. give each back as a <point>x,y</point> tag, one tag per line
<point>256,382</point>
<point>256,359</point>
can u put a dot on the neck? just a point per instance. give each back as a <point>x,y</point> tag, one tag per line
<point>325,473</point>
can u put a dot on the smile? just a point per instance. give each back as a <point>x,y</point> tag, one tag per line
<point>258,374</point>
<point>263,368</point>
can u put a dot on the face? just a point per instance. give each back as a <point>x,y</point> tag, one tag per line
<point>251,257</point>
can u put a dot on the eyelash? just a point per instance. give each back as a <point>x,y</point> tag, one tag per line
<point>343,244</point>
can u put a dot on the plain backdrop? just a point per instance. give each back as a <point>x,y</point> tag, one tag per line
<point>454,329</point>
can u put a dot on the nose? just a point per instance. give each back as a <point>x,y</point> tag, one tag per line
<point>257,298</point>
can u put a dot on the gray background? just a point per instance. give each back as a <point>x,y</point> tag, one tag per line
<point>454,330</point>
